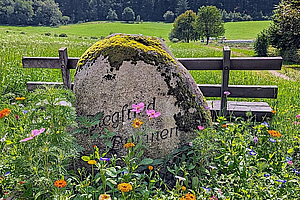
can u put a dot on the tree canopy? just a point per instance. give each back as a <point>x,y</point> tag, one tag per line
<point>209,22</point>
<point>184,27</point>
<point>25,12</point>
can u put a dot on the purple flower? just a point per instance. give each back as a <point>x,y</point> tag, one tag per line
<point>25,111</point>
<point>265,124</point>
<point>281,181</point>
<point>298,116</point>
<point>272,140</point>
<point>124,172</point>
<point>297,172</point>
<point>7,173</point>
<point>105,159</point>
<point>200,128</point>
<point>207,107</point>
<point>267,175</point>
<point>138,107</point>
<point>252,153</point>
<point>206,189</point>
<point>226,93</point>
<point>255,140</point>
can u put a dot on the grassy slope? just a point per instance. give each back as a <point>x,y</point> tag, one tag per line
<point>244,30</point>
<point>234,30</point>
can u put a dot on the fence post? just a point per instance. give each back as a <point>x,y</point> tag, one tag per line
<point>225,79</point>
<point>65,72</point>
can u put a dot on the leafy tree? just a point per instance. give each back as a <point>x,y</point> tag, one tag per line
<point>112,15</point>
<point>47,13</point>
<point>261,43</point>
<point>6,10</point>
<point>128,14</point>
<point>285,29</point>
<point>209,22</point>
<point>169,16</point>
<point>182,6</point>
<point>22,14</point>
<point>184,27</point>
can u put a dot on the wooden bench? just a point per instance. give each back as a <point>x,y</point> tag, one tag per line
<point>223,107</point>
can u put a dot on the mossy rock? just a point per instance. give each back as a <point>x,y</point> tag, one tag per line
<point>122,70</point>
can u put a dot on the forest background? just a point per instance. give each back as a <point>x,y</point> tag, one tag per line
<point>56,12</point>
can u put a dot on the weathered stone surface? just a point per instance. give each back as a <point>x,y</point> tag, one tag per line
<point>122,70</point>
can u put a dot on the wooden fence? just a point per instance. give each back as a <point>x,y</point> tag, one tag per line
<point>226,64</point>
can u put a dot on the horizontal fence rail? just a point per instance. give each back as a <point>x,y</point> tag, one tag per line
<point>259,63</point>
<point>226,64</point>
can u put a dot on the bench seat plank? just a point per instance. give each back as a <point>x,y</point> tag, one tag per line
<point>240,108</point>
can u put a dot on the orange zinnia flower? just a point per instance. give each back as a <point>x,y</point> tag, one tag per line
<point>104,197</point>
<point>20,98</point>
<point>4,113</point>
<point>150,167</point>
<point>129,145</point>
<point>60,183</point>
<point>137,123</point>
<point>183,188</point>
<point>92,162</point>
<point>124,187</point>
<point>274,133</point>
<point>224,125</point>
<point>273,111</point>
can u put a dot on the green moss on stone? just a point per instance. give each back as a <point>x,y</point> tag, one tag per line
<point>119,48</point>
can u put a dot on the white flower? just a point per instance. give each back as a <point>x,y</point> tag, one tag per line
<point>3,139</point>
<point>180,178</point>
<point>65,103</point>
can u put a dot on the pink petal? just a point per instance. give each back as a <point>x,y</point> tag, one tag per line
<point>157,114</point>
<point>298,116</point>
<point>42,130</point>
<point>26,139</point>
<point>35,132</point>
<point>200,128</point>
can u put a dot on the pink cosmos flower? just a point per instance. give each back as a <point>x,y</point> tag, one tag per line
<point>191,144</point>
<point>138,107</point>
<point>152,113</point>
<point>298,116</point>
<point>201,128</point>
<point>290,162</point>
<point>255,140</point>
<point>226,93</point>
<point>296,123</point>
<point>34,133</point>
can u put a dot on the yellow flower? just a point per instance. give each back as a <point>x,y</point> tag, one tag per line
<point>274,133</point>
<point>92,162</point>
<point>60,183</point>
<point>4,113</point>
<point>20,98</point>
<point>183,188</point>
<point>104,197</point>
<point>137,123</point>
<point>189,196</point>
<point>129,145</point>
<point>150,167</point>
<point>124,187</point>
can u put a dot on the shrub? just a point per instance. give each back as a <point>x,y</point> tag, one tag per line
<point>48,34</point>
<point>62,35</point>
<point>174,40</point>
<point>261,43</point>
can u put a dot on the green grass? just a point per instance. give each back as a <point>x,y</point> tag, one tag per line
<point>234,30</point>
<point>244,30</point>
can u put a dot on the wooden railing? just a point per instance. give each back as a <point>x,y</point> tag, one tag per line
<point>226,64</point>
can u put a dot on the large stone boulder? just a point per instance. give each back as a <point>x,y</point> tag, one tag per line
<point>122,70</point>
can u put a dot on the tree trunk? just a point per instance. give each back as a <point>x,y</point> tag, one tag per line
<point>207,40</point>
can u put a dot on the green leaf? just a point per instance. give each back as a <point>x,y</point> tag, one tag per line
<point>95,136</point>
<point>112,172</point>
<point>8,142</point>
<point>158,161</point>
<point>291,150</point>
<point>85,158</point>
<point>95,123</point>
<point>146,161</point>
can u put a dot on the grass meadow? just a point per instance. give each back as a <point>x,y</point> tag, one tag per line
<point>243,160</point>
